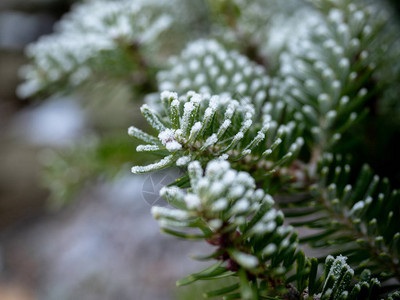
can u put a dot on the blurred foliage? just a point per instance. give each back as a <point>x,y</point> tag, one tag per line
<point>67,171</point>
<point>196,290</point>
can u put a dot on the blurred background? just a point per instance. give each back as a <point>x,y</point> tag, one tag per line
<point>103,245</point>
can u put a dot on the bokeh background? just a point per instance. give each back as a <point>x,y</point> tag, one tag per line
<point>103,245</point>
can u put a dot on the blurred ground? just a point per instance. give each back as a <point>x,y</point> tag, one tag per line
<point>107,245</point>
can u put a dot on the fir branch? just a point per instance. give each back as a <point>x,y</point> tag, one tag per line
<point>85,45</point>
<point>325,73</point>
<point>251,239</point>
<point>358,220</point>
<point>203,127</point>
<point>205,66</point>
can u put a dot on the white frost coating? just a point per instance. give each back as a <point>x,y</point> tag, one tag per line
<point>255,85</point>
<point>175,103</point>
<point>267,152</point>
<point>215,100</point>
<point>211,140</point>
<point>239,220</point>
<point>131,130</point>
<point>230,110</point>
<point>249,114</point>
<point>246,260</point>
<point>217,167</point>
<point>178,133</point>
<point>172,191</point>
<point>173,146</point>
<point>226,124</point>
<point>300,141</point>
<point>245,179</point>
<point>337,266</point>
<point>247,71</point>
<point>80,38</point>
<point>219,205</point>
<point>209,112</point>
<point>196,98</point>
<point>167,138</point>
<point>293,147</point>
<point>331,114</point>
<point>195,129</point>
<point>217,188</point>
<point>185,83</point>
<point>217,70</point>
<point>160,212</point>
<point>194,65</point>
<point>263,228</point>
<point>269,216</point>
<point>239,136</point>
<point>139,134</point>
<point>258,194</point>
<point>270,249</point>
<point>166,95</point>
<point>223,156</point>
<point>236,191</point>
<point>203,183</point>
<point>260,96</point>
<point>214,71</point>
<point>335,15</point>
<point>183,161</point>
<point>200,79</point>
<point>192,201</point>
<point>284,244</point>
<point>247,123</point>
<point>283,229</point>
<point>241,206</point>
<point>208,61</point>
<point>228,65</point>
<point>222,81</point>
<point>188,107</point>
<point>147,148</point>
<point>156,166</point>
<point>215,224</point>
<point>241,88</point>
<point>261,135</point>
<point>357,207</point>
<point>224,196</point>
<point>246,152</point>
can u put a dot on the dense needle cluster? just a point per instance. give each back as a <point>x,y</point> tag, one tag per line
<point>205,66</point>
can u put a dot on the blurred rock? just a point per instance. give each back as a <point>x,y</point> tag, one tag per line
<point>59,121</point>
<point>14,292</point>
<point>10,62</point>
<point>31,5</point>
<point>54,123</point>
<point>20,195</point>
<point>18,29</point>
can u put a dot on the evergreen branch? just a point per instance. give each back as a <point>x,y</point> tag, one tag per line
<point>205,66</point>
<point>117,40</point>
<point>253,244</point>
<point>203,127</point>
<point>358,220</point>
<point>327,74</point>
<point>237,23</point>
